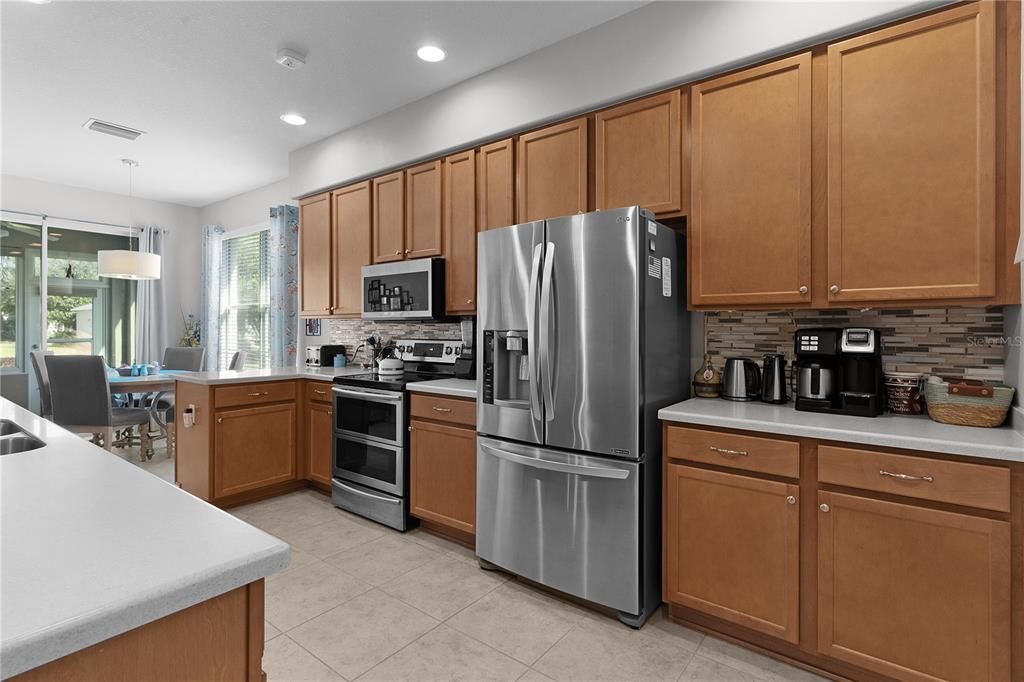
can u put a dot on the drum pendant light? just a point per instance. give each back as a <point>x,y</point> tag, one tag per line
<point>125,263</point>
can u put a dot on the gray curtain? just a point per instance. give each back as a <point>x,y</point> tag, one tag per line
<point>150,306</point>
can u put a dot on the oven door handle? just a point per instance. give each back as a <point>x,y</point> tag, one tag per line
<point>356,491</point>
<point>378,397</point>
<point>563,467</point>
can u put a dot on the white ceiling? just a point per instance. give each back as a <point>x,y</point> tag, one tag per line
<point>200,79</point>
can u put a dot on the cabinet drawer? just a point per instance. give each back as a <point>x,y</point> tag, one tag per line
<point>318,391</point>
<point>451,410</point>
<point>750,453</point>
<point>253,394</point>
<point>971,485</point>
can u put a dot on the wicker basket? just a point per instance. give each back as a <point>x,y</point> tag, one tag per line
<point>967,402</point>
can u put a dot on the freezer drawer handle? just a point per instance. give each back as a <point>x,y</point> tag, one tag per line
<point>728,452</point>
<point>389,500</point>
<point>595,472</point>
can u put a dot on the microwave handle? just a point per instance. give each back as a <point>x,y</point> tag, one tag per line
<point>378,397</point>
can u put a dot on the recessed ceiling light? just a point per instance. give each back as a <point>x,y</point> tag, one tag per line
<point>14,253</point>
<point>35,244</point>
<point>293,119</point>
<point>430,53</point>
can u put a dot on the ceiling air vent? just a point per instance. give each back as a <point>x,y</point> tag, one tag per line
<point>112,129</point>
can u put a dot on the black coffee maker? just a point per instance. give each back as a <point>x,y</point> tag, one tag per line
<point>839,371</point>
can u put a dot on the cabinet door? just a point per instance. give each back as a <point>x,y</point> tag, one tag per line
<point>423,210</point>
<point>444,475</point>
<point>254,447</point>
<point>911,160</point>
<point>495,185</point>
<point>552,172</point>
<point>460,233</point>
<point>750,218</point>
<point>639,154</point>
<point>913,593</point>
<point>732,548</point>
<point>318,442</point>
<point>389,217</point>
<point>315,255</point>
<point>352,228</point>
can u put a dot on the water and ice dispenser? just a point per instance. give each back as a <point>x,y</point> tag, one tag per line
<point>506,368</point>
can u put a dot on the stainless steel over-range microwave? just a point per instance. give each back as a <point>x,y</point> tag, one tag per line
<point>404,290</point>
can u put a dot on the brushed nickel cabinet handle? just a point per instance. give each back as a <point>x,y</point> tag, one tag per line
<point>834,288</point>
<point>442,409</point>
<point>257,394</point>
<point>823,507</point>
<point>319,392</point>
<point>803,290</point>
<point>727,451</point>
<point>790,499</point>
<point>905,477</point>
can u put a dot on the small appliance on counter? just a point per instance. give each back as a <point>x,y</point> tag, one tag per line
<point>773,379</point>
<point>323,356</point>
<point>839,371</point>
<point>742,380</point>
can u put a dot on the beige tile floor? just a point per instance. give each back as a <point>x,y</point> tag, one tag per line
<point>360,601</point>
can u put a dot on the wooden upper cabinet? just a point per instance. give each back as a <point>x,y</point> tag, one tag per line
<point>460,233</point>
<point>352,228</point>
<point>315,255</point>
<point>750,216</point>
<point>732,548</point>
<point>913,593</point>
<point>423,210</point>
<point>389,217</point>
<point>911,159</point>
<point>495,183</point>
<point>639,154</point>
<point>551,173</point>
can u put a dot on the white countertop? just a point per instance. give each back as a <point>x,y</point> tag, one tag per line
<point>459,388</point>
<point>895,431</point>
<point>94,546</point>
<point>273,374</point>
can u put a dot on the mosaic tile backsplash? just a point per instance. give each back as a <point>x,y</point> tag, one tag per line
<point>351,333</point>
<point>955,342</point>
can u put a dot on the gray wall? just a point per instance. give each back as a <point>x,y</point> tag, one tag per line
<point>656,46</point>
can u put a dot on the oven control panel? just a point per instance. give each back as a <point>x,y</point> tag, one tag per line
<point>441,352</point>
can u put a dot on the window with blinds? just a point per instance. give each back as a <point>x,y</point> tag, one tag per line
<point>245,299</point>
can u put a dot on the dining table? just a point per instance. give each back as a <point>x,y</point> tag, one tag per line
<point>155,386</point>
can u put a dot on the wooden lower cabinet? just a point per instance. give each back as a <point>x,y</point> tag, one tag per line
<point>318,441</point>
<point>732,548</point>
<point>913,593</point>
<point>255,447</point>
<point>845,566</point>
<point>443,470</point>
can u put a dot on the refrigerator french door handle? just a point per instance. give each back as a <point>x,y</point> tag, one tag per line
<point>533,346</point>
<point>563,467</point>
<point>547,333</point>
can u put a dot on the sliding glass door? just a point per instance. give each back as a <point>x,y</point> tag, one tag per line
<point>53,299</point>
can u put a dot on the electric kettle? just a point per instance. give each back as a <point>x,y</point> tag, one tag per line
<point>742,380</point>
<point>773,378</point>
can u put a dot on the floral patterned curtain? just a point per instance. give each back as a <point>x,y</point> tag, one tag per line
<point>284,285</point>
<point>210,314</point>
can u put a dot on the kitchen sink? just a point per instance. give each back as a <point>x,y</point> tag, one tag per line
<point>14,439</point>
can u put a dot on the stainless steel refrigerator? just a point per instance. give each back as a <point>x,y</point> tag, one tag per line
<point>582,335</point>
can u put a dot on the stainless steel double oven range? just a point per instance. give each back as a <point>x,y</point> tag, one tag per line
<point>371,432</point>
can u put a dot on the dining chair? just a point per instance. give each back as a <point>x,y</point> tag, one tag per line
<point>238,360</point>
<point>80,399</point>
<point>43,381</point>
<point>184,357</point>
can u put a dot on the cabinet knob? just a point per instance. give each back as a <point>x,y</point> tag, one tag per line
<point>469,300</point>
<point>824,507</point>
<point>220,420</point>
<point>407,251</point>
<point>330,412</point>
<point>398,253</point>
<point>834,288</point>
<point>803,290</point>
<point>790,499</point>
